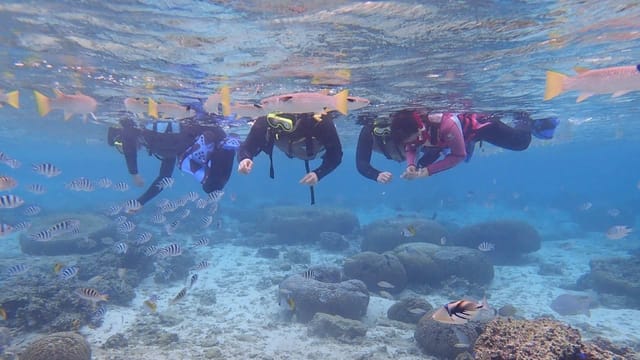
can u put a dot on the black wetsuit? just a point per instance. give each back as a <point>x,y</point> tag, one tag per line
<point>366,147</point>
<point>168,147</point>
<point>261,138</point>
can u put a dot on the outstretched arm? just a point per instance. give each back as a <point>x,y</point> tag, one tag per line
<point>328,136</point>
<point>363,154</point>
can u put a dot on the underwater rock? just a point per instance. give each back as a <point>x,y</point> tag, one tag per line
<point>58,346</point>
<point>337,327</point>
<point>549,269</point>
<point>507,310</point>
<point>617,276</point>
<point>296,256</point>
<point>303,225</point>
<point>512,239</point>
<point>5,338</point>
<point>348,299</point>
<point>506,338</point>
<point>409,310</point>
<point>372,268</point>
<point>333,241</point>
<point>268,253</point>
<point>92,228</point>
<point>433,264</point>
<point>385,235</point>
<point>116,341</point>
<point>444,340</point>
<point>570,304</point>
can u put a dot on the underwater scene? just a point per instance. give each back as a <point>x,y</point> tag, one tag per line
<point>336,179</point>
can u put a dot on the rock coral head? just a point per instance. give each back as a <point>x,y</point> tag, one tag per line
<point>58,346</point>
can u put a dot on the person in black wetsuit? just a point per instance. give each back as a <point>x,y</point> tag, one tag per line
<point>445,139</point>
<point>205,151</point>
<point>301,136</point>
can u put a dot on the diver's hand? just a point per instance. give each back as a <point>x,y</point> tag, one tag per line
<point>410,173</point>
<point>138,180</point>
<point>245,166</point>
<point>384,177</point>
<point>309,179</point>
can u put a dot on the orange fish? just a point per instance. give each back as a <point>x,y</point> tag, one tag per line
<point>167,110</point>
<point>618,232</point>
<point>221,99</point>
<point>307,102</point>
<point>614,80</point>
<point>71,104</point>
<point>12,98</point>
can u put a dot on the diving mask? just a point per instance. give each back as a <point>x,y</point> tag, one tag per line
<point>382,131</point>
<point>283,123</point>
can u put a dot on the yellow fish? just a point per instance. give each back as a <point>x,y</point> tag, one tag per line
<point>3,314</point>
<point>71,104</point>
<point>167,110</point>
<point>12,98</point>
<point>152,306</point>
<point>618,81</point>
<point>291,303</point>
<point>57,267</point>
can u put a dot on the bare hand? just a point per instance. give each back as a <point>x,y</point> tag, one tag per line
<point>384,177</point>
<point>245,166</point>
<point>410,173</point>
<point>309,179</point>
<point>138,180</point>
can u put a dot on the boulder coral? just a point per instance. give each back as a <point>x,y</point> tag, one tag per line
<point>58,346</point>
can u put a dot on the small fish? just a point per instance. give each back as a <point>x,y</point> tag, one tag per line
<point>5,229</point>
<point>463,339</point>
<point>180,295</point>
<point>3,314</point>
<point>158,219</point>
<point>32,210</point>
<point>113,210</point>
<point>91,294</point>
<point>22,226</point>
<point>192,280</point>
<point>171,228</point>
<point>443,241</point>
<point>167,110</point>
<point>99,314</point>
<point>81,184</point>
<point>10,201</point>
<point>142,238</point>
<point>132,206</point>
<point>385,285</point>
<point>201,203</point>
<point>68,273</point>
<point>12,163</point>
<point>585,206</point>
<point>204,241</point>
<point>64,227</point>
<point>36,189</point>
<point>170,250</point>
<point>417,311</point>
<point>408,231</point>
<point>104,183</point>
<point>613,212</point>
<point>618,232</point>
<point>385,294</point>
<point>458,312</point>
<point>11,98</point>
<point>126,227</point>
<point>44,235</point>
<point>71,104</point>
<point>292,304</point>
<point>205,221</point>
<point>150,250</point>
<point>7,183</point>
<point>120,219</point>
<point>192,196</point>
<point>185,213</point>
<point>120,248</point>
<point>17,269</point>
<point>57,267</point>
<point>165,183</point>
<point>151,305</point>
<point>215,195</point>
<point>201,265</point>
<point>121,186</point>
<point>46,169</point>
<point>309,274</point>
<point>618,81</point>
<point>486,246</point>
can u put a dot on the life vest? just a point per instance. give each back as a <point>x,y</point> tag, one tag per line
<point>195,160</point>
<point>382,143</point>
<point>290,140</point>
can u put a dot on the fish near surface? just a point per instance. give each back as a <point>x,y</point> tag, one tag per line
<point>618,81</point>
<point>77,103</point>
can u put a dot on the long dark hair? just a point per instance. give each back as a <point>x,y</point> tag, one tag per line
<point>403,125</point>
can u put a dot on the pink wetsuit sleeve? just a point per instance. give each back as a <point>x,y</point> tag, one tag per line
<point>451,135</point>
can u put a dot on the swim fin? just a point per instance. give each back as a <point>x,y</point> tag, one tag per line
<point>544,128</point>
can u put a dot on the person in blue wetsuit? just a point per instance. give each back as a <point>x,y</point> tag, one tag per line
<point>205,151</point>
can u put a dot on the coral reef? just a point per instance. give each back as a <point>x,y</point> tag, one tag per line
<point>295,225</point>
<point>385,235</point>
<point>372,268</point>
<point>58,346</point>
<point>540,339</point>
<point>512,238</point>
<point>337,327</point>
<point>444,340</point>
<point>349,298</point>
<point>616,276</point>
<point>93,228</point>
<point>434,264</point>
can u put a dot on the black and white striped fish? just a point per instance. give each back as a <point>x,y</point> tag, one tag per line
<point>170,250</point>
<point>7,183</point>
<point>91,294</point>
<point>121,186</point>
<point>165,183</point>
<point>192,280</point>
<point>204,241</point>
<point>120,219</point>
<point>192,196</point>
<point>158,219</point>
<point>46,169</point>
<point>181,294</point>
<point>120,248</point>
<point>5,229</point>
<point>201,265</point>
<point>213,208</point>
<point>309,274</point>
<point>126,227</point>
<point>206,220</point>
<point>169,206</point>
<point>171,228</point>
<point>68,272</point>
<point>142,238</point>
<point>104,183</point>
<point>12,163</point>
<point>201,203</point>
<point>185,213</point>
<point>215,195</point>
<point>150,250</point>
<point>132,205</point>
<point>113,210</point>
<point>65,227</point>
<point>32,210</point>
<point>37,189</point>
<point>17,269</point>
<point>81,184</point>
<point>10,201</point>
<point>44,235</point>
<point>22,226</point>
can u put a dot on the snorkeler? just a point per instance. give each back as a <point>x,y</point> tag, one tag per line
<point>446,139</point>
<point>205,151</point>
<point>299,136</point>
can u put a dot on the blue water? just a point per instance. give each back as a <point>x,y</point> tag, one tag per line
<point>445,55</point>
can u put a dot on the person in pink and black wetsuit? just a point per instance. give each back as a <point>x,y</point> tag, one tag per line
<point>446,139</point>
